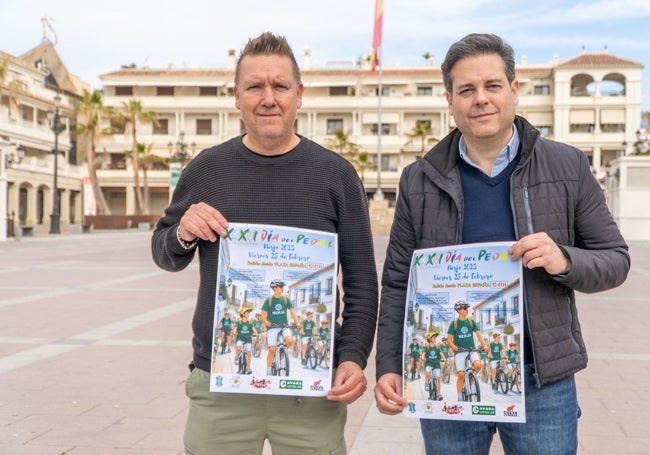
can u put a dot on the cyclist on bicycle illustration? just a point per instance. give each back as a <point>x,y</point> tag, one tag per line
<point>258,336</point>
<point>414,351</point>
<point>496,354</point>
<point>307,331</point>
<point>297,338</point>
<point>460,339</point>
<point>432,357</point>
<point>225,325</point>
<point>244,331</point>
<point>512,355</point>
<point>446,363</point>
<point>323,336</point>
<point>274,315</point>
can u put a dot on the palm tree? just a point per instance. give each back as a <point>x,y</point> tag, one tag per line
<point>421,132</point>
<point>89,111</point>
<point>148,160</point>
<point>362,163</point>
<point>15,87</point>
<point>428,57</point>
<point>341,143</point>
<point>4,70</point>
<point>133,113</point>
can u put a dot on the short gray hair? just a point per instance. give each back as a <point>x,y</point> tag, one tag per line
<point>478,44</point>
<point>268,44</point>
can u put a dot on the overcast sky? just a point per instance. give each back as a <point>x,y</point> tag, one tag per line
<point>96,37</point>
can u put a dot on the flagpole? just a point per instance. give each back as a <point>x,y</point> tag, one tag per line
<point>379,195</point>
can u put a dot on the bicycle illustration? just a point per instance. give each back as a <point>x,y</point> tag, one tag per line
<point>471,389</point>
<point>221,342</point>
<point>504,382</point>
<point>242,361</point>
<point>259,344</point>
<point>280,364</point>
<point>514,380</point>
<point>501,379</point>
<point>414,370</point>
<point>313,357</point>
<point>431,386</point>
<point>296,348</point>
<point>485,370</point>
<point>446,370</point>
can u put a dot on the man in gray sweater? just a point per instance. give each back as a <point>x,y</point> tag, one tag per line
<point>271,175</point>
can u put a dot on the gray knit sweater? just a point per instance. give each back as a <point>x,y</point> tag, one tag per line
<point>309,187</point>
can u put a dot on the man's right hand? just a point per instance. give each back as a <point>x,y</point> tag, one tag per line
<point>388,394</point>
<point>203,221</point>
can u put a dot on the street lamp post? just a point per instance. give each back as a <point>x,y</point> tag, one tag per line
<point>57,125</point>
<point>6,161</point>
<point>179,151</point>
<point>178,154</point>
<point>640,141</point>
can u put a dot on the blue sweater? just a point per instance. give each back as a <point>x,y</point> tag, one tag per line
<point>487,215</point>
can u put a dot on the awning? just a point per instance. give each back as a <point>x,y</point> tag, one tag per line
<point>329,83</point>
<point>540,118</point>
<point>612,116</point>
<point>582,117</point>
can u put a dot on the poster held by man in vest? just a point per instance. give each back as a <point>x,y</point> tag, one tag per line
<point>274,311</point>
<point>463,334</point>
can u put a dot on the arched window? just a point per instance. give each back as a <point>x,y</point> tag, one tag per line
<point>613,84</point>
<point>580,84</point>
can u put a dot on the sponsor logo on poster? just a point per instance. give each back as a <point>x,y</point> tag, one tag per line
<point>480,410</point>
<point>291,384</point>
<point>260,383</point>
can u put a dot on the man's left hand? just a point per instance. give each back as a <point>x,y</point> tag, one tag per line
<point>539,250</point>
<point>349,383</point>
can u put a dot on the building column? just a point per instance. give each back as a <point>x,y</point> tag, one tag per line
<point>311,124</point>
<point>356,124</point>
<point>220,127</point>
<point>64,202</point>
<point>13,199</point>
<point>177,125</point>
<point>596,159</point>
<point>78,207</point>
<point>130,199</point>
<point>223,125</point>
<point>32,203</point>
<point>444,124</point>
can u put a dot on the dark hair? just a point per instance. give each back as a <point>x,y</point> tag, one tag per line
<point>478,44</point>
<point>268,44</point>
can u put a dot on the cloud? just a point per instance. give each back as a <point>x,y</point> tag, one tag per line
<point>198,33</point>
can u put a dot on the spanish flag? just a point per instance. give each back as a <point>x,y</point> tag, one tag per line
<point>376,36</point>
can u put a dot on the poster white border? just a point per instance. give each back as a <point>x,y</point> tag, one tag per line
<point>485,276</point>
<point>250,257</point>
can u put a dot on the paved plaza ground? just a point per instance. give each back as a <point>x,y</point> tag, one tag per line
<point>95,341</point>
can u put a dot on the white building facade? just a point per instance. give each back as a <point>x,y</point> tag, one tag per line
<point>592,101</point>
<point>28,87</point>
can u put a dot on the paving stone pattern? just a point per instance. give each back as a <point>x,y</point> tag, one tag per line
<point>95,339</point>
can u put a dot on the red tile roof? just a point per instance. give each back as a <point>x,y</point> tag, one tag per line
<point>596,60</point>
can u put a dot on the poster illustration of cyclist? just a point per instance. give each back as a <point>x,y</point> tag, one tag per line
<point>274,311</point>
<point>463,334</point>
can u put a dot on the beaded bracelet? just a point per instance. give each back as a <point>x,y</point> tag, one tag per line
<point>184,243</point>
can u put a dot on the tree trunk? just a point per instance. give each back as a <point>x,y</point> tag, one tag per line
<point>147,198</point>
<point>100,201</point>
<point>136,173</point>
